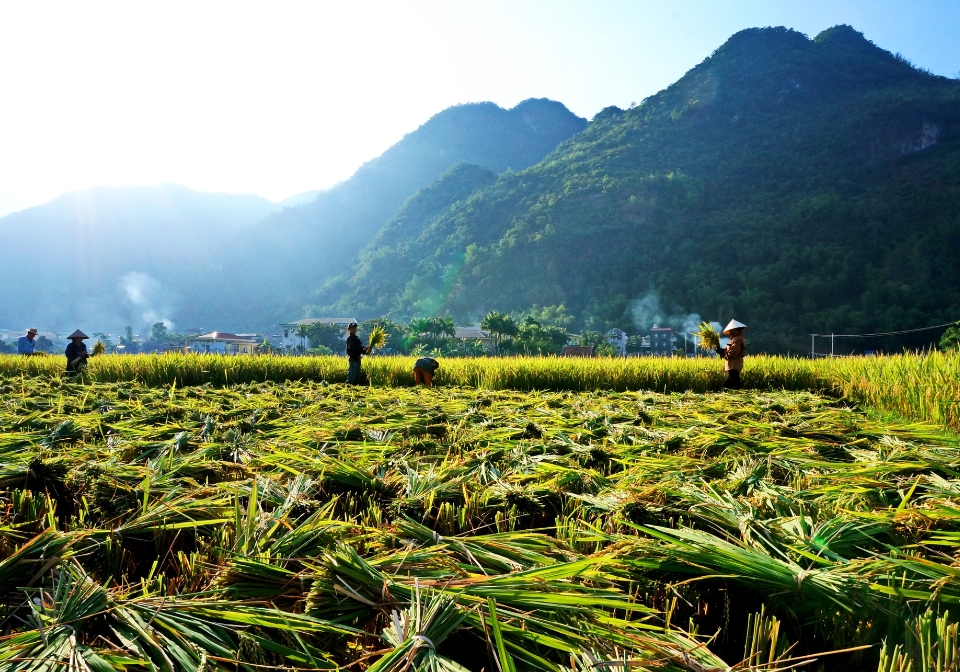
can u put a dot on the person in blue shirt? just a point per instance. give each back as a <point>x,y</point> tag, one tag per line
<point>76,353</point>
<point>27,345</point>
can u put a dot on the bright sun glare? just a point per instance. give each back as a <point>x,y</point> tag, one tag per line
<point>277,99</point>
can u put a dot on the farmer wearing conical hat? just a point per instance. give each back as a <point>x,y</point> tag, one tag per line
<point>27,345</point>
<point>76,353</point>
<point>733,353</point>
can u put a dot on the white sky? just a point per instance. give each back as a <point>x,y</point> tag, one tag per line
<point>278,98</point>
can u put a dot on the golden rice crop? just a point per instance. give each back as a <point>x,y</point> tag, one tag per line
<point>378,337</point>
<point>920,386</point>
<point>709,338</point>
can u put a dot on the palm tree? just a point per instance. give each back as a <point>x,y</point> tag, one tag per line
<point>500,325</point>
<point>442,326</point>
<point>302,333</point>
<point>420,325</point>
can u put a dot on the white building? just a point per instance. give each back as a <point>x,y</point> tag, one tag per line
<point>475,334</point>
<point>290,338</point>
<point>618,339</point>
<point>222,343</point>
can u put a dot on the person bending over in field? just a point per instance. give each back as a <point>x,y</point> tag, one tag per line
<point>734,353</point>
<point>423,370</point>
<point>355,350</point>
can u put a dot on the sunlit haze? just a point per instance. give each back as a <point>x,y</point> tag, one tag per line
<point>280,98</point>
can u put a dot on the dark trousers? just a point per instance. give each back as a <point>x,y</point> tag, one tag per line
<point>354,374</point>
<point>733,379</point>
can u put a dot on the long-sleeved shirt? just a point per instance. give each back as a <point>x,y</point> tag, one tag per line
<point>427,364</point>
<point>25,346</point>
<point>74,351</point>
<point>354,348</point>
<point>734,352</point>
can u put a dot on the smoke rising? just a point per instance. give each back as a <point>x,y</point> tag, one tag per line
<point>146,299</point>
<point>647,312</point>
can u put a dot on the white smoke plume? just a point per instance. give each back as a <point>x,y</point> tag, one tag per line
<point>647,312</point>
<point>146,298</point>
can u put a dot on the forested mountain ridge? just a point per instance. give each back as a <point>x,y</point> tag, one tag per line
<point>799,185</point>
<point>266,274</point>
<point>389,260</point>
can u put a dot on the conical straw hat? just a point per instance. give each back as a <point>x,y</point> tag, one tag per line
<point>734,325</point>
<point>78,334</point>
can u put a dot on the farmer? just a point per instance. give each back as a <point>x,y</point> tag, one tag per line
<point>27,345</point>
<point>76,353</point>
<point>733,353</point>
<point>423,370</point>
<point>355,350</point>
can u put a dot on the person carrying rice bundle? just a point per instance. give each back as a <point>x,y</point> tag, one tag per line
<point>423,370</point>
<point>355,350</point>
<point>734,353</point>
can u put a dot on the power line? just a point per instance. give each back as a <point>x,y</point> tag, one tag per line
<point>889,333</point>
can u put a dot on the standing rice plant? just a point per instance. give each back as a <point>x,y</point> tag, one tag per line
<point>919,386</point>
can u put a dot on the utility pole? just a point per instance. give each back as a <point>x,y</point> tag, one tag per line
<point>812,346</point>
<point>831,345</point>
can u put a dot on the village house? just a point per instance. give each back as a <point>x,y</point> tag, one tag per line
<point>475,334</point>
<point>221,343</point>
<point>618,339</point>
<point>661,341</point>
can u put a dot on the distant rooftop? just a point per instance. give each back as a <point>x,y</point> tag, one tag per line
<point>320,320</point>
<point>222,336</point>
<point>470,332</point>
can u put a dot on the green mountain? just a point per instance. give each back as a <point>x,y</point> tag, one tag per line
<point>264,274</point>
<point>798,185</point>
<point>390,260</point>
<point>107,257</point>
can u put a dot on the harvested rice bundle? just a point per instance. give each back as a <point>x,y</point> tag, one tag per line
<point>99,348</point>
<point>378,337</point>
<point>709,338</point>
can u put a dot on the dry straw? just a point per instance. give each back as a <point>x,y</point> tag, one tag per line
<point>308,526</point>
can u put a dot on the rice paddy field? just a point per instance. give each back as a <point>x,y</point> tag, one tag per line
<point>207,513</point>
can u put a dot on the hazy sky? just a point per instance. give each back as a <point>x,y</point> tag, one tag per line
<point>277,98</point>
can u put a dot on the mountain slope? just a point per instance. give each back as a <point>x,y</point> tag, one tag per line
<point>799,185</point>
<point>267,272</point>
<point>371,286</point>
<point>110,256</point>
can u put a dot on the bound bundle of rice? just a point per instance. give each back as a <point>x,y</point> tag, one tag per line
<point>378,337</point>
<point>99,348</point>
<point>709,338</point>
